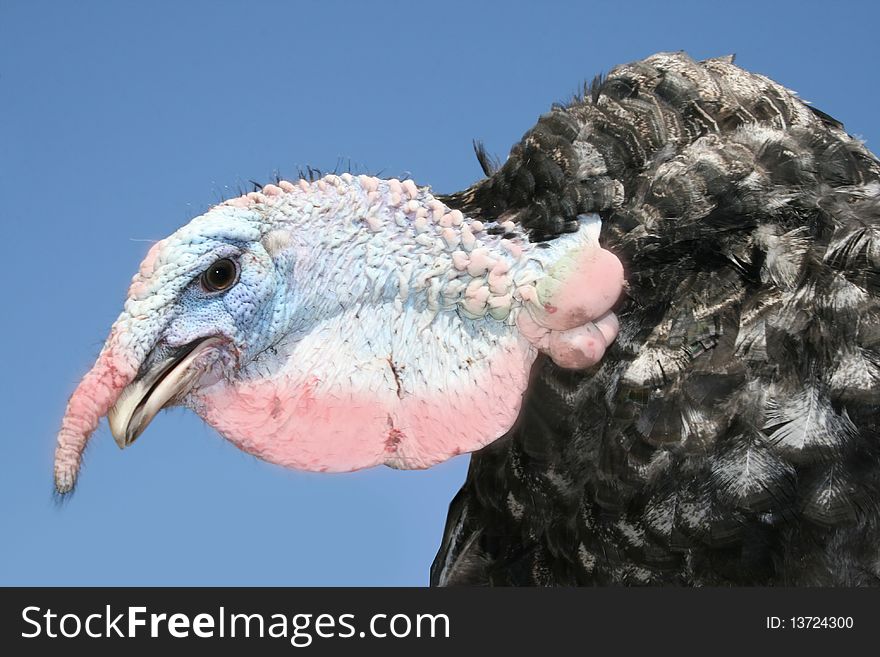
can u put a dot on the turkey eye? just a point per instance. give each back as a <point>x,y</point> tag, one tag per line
<point>220,276</point>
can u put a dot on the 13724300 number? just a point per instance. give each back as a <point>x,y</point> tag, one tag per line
<point>821,622</point>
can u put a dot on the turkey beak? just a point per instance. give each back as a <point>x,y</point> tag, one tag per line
<point>166,383</point>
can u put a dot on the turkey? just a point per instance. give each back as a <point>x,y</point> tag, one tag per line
<point>655,327</point>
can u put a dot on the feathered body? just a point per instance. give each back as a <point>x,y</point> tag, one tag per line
<point>730,434</point>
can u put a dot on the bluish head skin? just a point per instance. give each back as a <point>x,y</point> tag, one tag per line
<point>169,297</point>
<point>342,324</point>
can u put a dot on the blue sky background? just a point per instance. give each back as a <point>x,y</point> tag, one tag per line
<point>120,121</point>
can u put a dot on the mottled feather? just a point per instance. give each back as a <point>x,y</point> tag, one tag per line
<point>730,436</point>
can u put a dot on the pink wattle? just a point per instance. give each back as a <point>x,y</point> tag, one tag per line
<point>575,325</point>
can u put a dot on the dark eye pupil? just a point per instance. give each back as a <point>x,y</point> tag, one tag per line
<point>219,275</point>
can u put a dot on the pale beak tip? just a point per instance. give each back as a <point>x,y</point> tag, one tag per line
<point>125,437</point>
<point>118,430</point>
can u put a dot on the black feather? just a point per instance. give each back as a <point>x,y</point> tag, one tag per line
<point>731,434</point>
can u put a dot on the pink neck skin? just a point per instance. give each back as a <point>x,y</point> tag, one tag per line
<point>308,426</point>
